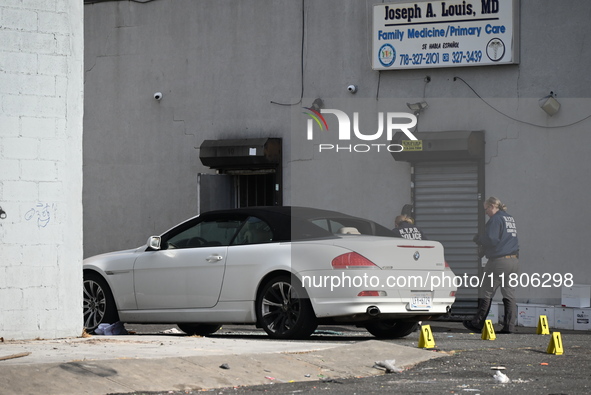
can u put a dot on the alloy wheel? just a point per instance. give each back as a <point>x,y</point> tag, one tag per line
<point>95,304</point>
<point>281,307</point>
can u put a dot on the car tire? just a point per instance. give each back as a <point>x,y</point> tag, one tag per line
<point>284,310</point>
<point>391,329</point>
<point>99,305</point>
<point>199,329</point>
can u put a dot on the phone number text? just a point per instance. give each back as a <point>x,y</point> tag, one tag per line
<point>430,58</point>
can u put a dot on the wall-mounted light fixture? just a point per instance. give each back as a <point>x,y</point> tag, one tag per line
<point>417,107</point>
<point>549,104</point>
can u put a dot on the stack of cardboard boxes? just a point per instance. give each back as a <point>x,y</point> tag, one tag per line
<point>574,313</point>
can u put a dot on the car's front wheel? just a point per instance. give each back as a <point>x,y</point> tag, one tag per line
<point>284,310</point>
<point>391,329</point>
<point>99,304</point>
<point>199,329</point>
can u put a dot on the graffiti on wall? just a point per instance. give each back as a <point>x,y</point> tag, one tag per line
<point>41,214</point>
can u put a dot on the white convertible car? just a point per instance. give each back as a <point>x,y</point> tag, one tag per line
<point>285,269</point>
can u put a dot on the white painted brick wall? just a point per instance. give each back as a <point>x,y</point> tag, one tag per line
<point>41,109</point>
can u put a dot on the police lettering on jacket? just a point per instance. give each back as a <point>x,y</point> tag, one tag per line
<point>411,233</point>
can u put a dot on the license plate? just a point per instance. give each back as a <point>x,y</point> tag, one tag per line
<point>420,301</point>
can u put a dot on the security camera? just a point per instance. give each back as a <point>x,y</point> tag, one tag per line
<point>352,88</point>
<point>158,95</point>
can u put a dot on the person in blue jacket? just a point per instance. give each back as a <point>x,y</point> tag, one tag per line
<point>501,247</point>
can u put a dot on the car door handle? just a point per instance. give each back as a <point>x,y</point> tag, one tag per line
<point>214,258</point>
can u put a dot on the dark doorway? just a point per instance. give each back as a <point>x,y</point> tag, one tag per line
<point>249,173</point>
<point>256,190</point>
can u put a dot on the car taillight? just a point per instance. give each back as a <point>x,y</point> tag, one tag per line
<point>447,265</point>
<point>352,260</point>
<point>372,293</point>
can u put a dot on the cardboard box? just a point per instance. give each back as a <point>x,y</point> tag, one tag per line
<point>564,318</point>
<point>526,315</point>
<point>582,319</point>
<point>576,296</point>
<point>548,311</point>
<point>496,313</point>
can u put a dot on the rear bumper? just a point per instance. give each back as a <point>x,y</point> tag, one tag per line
<point>361,310</point>
<point>362,295</point>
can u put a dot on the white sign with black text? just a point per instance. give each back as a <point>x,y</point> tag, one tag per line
<point>434,34</point>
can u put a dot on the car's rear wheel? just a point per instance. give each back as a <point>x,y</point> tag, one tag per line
<point>199,329</point>
<point>99,305</point>
<point>284,310</point>
<point>391,329</point>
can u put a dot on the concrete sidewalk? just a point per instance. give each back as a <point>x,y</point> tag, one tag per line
<point>119,364</point>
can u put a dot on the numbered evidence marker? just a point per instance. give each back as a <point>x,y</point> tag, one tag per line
<point>488,331</point>
<point>555,345</point>
<point>426,340</point>
<point>543,328</point>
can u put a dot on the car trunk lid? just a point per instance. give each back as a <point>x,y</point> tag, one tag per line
<point>396,253</point>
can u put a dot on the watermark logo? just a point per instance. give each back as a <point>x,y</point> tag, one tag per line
<point>315,116</point>
<point>389,122</point>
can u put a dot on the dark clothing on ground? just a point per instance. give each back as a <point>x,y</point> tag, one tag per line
<point>409,231</point>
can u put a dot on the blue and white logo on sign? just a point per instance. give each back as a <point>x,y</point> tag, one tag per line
<point>387,55</point>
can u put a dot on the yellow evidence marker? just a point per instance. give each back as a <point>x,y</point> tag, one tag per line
<point>543,328</point>
<point>555,345</point>
<point>426,340</point>
<point>488,331</point>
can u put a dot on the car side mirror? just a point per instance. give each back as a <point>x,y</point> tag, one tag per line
<point>154,243</point>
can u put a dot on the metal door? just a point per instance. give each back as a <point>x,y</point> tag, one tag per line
<point>447,199</point>
<point>215,192</point>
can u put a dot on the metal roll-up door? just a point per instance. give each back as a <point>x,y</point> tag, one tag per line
<point>446,199</point>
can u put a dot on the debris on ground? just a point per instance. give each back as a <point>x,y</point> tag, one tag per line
<point>172,331</point>
<point>13,356</point>
<point>388,365</point>
<point>327,332</point>
<point>111,329</point>
<point>332,381</point>
<point>501,377</point>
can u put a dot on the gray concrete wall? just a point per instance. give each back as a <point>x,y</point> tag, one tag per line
<point>41,108</point>
<point>223,65</point>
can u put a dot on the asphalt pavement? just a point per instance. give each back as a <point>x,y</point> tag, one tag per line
<point>335,360</point>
